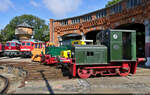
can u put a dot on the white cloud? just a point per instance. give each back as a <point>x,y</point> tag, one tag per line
<point>35,4</point>
<point>5,5</point>
<point>62,7</point>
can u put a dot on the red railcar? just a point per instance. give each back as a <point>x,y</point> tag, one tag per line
<point>26,48</point>
<point>12,48</point>
<point>1,49</point>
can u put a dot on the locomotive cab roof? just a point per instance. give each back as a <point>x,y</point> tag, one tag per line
<point>122,30</point>
<point>15,41</point>
<point>30,40</point>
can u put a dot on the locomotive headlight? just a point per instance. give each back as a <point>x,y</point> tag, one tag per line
<point>72,54</point>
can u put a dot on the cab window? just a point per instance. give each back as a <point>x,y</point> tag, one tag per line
<point>7,44</point>
<point>40,45</point>
<point>36,45</point>
<point>28,44</point>
<point>12,44</point>
<point>76,43</point>
<point>23,44</point>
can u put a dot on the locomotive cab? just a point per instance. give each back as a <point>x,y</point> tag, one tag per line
<point>121,44</point>
<point>26,48</point>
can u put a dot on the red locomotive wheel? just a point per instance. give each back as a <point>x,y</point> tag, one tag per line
<point>84,73</point>
<point>124,71</point>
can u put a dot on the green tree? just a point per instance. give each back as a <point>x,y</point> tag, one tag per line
<point>112,2</point>
<point>38,24</point>
<point>1,37</point>
<point>39,34</point>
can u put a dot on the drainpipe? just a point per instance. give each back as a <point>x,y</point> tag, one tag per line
<point>51,30</point>
<point>53,33</point>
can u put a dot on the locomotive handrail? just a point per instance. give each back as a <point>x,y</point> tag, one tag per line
<point>141,60</point>
<point>6,85</point>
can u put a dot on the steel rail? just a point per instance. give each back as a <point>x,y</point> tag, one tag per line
<point>4,90</point>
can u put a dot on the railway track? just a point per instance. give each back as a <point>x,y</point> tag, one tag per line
<point>34,71</point>
<point>6,85</point>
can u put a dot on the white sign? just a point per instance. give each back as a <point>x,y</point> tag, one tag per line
<point>115,36</point>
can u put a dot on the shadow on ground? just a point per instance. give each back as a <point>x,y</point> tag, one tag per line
<point>46,82</point>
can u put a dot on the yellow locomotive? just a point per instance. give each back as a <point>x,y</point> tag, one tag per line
<point>38,48</point>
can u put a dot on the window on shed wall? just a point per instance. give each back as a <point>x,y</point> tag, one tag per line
<point>133,3</point>
<point>65,22</point>
<point>76,20</point>
<point>116,9</point>
<point>87,18</point>
<point>101,14</point>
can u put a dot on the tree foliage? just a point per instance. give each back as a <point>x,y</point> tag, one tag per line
<point>38,24</point>
<point>112,2</point>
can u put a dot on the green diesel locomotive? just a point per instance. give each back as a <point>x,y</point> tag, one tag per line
<point>114,54</point>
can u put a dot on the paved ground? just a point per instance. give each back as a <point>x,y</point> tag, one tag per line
<point>132,84</point>
<point>135,84</point>
<point>1,84</point>
<point>15,59</point>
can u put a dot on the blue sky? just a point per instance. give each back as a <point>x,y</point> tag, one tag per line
<point>46,9</point>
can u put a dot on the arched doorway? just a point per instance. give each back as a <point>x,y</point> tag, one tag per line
<point>92,35</point>
<point>140,36</point>
<point>66,39</point>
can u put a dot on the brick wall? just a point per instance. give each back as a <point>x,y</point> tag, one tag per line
<point>133,15</point>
